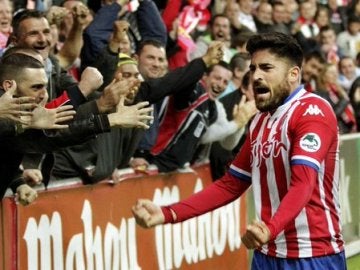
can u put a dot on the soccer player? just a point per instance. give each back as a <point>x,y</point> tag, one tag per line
<point>291,159</point>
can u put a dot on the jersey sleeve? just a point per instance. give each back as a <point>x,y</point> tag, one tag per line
<point>303,181</point>
<point>241,165</point>
<point>221,192</point>
<point>313,133</point>
<point>313,129</point>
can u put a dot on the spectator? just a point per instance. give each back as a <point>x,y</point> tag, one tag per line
<point>329,89</point>
<point>348,72</point>
<point>349,40</point>
<point>328,46</point>
<point>322,16</point>
<point>239,65</point>
<point>308,27</point>
<point>313,64</point>
<point>25,80</point>
<point>233,12</point>
<point>220,158</point>
<point>219,7</point>
<point>263,17</point>
<point>291,12</point>
<point>279,18</point>
<point>305,161</point>
<point>196,117</point>
<point>151,59</point>
<point>337,16</point>
<point>354,96</point>
<point>5,27</point>
<point>246,18</point>
<point>219,31</point>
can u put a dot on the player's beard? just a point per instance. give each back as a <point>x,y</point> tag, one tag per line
<point>278,94</point>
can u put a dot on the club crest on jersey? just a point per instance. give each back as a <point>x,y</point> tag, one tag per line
<point>310,142</point>
<point>313,110</point>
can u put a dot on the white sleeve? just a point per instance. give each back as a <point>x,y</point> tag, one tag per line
<point>221,128</point>
<point>232,140</point>
<point>199,51</point>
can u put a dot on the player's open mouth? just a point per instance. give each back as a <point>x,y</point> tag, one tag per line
<point>261,90</point>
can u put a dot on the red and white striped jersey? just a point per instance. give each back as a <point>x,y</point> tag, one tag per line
<point>303,131</point>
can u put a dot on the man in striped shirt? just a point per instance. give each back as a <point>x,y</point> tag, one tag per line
<point>291,159</point>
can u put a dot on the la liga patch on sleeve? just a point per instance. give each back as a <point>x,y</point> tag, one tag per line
<point>310,142</point>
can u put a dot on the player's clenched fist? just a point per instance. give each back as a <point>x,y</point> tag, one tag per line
<point>147,214</point>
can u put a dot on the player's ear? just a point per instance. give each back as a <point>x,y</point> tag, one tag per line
<point>294,74</point>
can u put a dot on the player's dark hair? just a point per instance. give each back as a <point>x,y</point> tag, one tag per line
<point>280,44</point>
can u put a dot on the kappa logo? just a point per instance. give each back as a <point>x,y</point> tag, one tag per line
<point>313,110</point>
<point>310,142</point>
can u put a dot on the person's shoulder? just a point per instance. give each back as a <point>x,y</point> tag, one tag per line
<point>342,35</point>
<point>205,38</point>
<point>234,96</point>
<point>313,105</point>
<point>313,98</point>
<point>54,60</point>
<point>315,113</point>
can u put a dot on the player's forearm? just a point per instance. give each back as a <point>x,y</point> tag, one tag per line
<point>302,185</point>
<point>221,192</point>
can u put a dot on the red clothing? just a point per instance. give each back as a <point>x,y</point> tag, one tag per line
<point>59,101</point>
<point>291,158</point>
<point>171,12</point>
